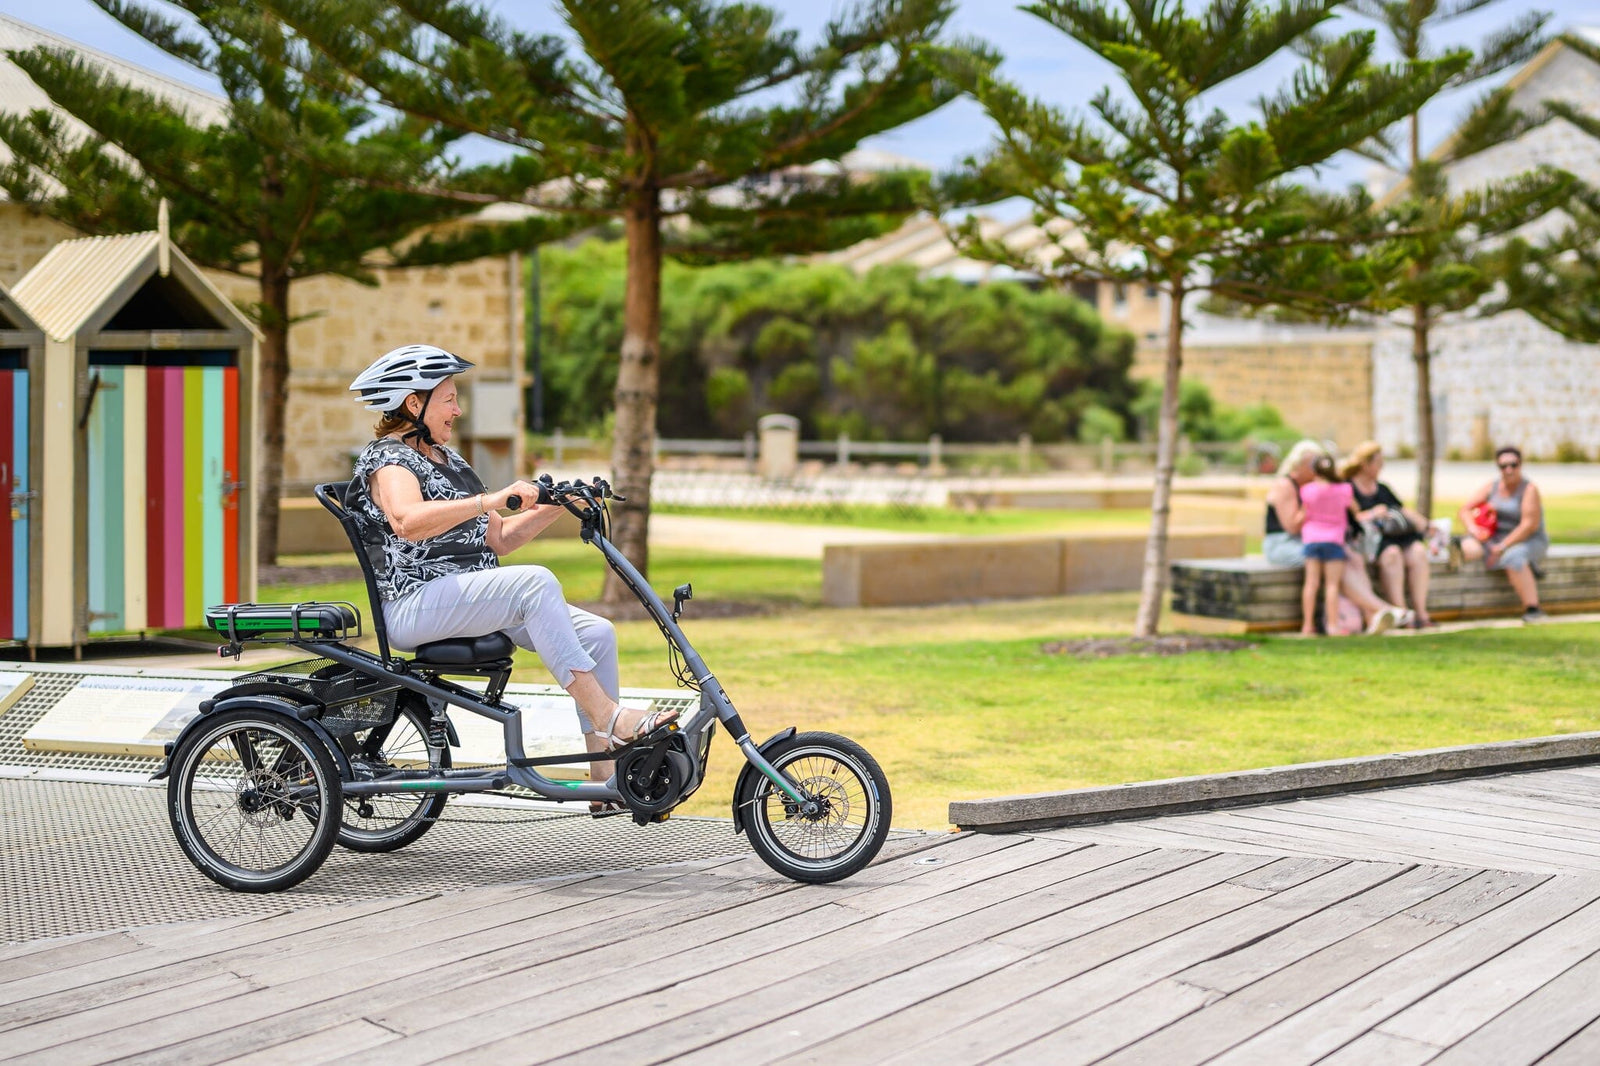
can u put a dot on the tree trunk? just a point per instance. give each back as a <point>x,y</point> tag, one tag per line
<point>1426,446</point>
<point>273,408</point>
<point>1154,582</point>
<point>638,378</point>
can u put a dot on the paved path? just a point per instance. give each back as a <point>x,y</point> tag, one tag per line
<point>791,540</point>
<point>1436,925</point>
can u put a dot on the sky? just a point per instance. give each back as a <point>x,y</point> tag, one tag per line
<point>1037,56</point>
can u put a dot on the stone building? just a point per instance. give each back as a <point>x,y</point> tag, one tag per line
<point>1508,378</point>
<point>473,309</point>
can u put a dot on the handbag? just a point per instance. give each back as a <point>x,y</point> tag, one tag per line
<point>1393,524</point>
<point>1482,521</point>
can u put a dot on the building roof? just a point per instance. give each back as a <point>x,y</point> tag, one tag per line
<point>19,95</point>
<point>13,319</point>
<point>65,288</point>
<point>1398,184</point>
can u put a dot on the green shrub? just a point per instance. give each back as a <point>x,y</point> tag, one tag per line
<point>887,356</point>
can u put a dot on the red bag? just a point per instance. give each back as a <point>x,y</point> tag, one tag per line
<point>1482,521</point>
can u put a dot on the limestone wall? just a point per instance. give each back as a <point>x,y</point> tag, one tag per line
<point>1322,388</point>
<point>473,309</point>
<point>24,238</point>
<point>1505,380</point>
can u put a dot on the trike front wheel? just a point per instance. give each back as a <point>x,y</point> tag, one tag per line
<point>254,800</point>
<point>842,826</point>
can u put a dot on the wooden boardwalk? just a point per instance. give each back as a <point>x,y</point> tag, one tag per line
<point>1455,923</point>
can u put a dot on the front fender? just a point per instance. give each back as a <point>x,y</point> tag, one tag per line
<point>303,713</point>
<point>745,773</point>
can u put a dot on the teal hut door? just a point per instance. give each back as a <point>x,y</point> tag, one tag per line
<point>15,495</point>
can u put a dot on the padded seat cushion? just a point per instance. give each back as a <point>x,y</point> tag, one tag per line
<point>464,651</point>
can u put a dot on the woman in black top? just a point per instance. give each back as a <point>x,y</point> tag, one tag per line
<point>1403,551</point>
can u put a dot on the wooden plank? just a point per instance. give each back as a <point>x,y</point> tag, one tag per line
<point>1468,824</point>
<point>1144,1018</point>
<point>1082,939</point>
<point>1346,1014</point>
<point>171,1031</point>
<point>1373,1048</point>
<point>1076,984</point>
<point>750,958</point>
<point>1582,1049</point>
<point>1448,1014</point>
<point>326,1045</point>
<point>1255,1000</point>
<point>883,999</point>
<point>50,1035</point>
<point>678,1018</point>
<point>279,1013</point>
<point>21,996</point>
<point>1439,839</point>
<point>1538,1024</point>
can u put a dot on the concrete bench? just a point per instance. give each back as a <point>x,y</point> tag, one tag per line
<point>1256,596</point>
<point>967,569</point>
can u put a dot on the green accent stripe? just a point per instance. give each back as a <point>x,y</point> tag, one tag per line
<point>212,489</point>
<point>194,455</point>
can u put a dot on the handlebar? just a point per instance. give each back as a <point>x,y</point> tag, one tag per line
<point>593,491</point>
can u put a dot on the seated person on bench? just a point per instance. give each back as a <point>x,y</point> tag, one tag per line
<point>440,576</point>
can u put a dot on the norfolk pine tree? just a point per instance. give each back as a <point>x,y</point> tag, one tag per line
<point>1444,238</point>
<point>1157,188</point>
<point>667,114</point>
<point>278,191</point>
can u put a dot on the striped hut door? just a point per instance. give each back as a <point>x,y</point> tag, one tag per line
<point>15,496</point>
<point>109,463</point>
<point>173,543</point>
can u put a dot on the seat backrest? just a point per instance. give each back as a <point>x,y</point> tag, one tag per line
<point>368,546</point>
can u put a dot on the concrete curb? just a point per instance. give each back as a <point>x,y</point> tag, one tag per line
<point>1043,810</point>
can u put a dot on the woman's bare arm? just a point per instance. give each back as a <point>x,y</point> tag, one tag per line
<point>1286,503</point>
<point>506,535</point>
<point>1532,512</point>
<point>398,494</point>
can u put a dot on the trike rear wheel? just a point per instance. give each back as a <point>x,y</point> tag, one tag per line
<point>254,800</point>
<point>390,822</point>
<point>844,830</point>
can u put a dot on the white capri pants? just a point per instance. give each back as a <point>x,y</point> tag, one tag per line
<point>524,602</point>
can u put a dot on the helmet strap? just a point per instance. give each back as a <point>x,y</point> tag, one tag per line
<point>421,431</point>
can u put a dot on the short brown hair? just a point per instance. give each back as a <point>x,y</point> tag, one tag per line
<point>1508,449</point>
<point>396,419</point>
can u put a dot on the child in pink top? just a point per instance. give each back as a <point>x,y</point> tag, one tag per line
<point>1326,502</point>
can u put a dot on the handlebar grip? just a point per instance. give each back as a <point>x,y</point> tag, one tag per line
<point>514,502</point>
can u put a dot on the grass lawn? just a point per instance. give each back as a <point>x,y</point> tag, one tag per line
<point>961,702</point>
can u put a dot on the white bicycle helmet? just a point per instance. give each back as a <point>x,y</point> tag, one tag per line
<point>410,368</point>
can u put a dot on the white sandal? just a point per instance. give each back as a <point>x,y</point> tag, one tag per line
<point>646,725</point>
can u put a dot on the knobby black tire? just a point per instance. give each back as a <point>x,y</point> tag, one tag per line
<point>831,849</point>
<point>260,828</point>
<point>411,814</point>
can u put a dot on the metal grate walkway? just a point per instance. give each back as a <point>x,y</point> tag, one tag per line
<point>81,857</point>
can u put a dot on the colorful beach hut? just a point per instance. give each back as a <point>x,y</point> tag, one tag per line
<point>143,470</point>
<point>21,354</point>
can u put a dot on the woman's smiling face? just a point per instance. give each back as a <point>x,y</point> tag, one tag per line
<point>443,410</point>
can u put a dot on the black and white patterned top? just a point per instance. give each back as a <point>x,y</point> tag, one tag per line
<point>403,565</point>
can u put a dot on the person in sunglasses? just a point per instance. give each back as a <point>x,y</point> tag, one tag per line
<point>1519,541</point>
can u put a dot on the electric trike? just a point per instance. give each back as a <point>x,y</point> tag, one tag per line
<point>354,747</point>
